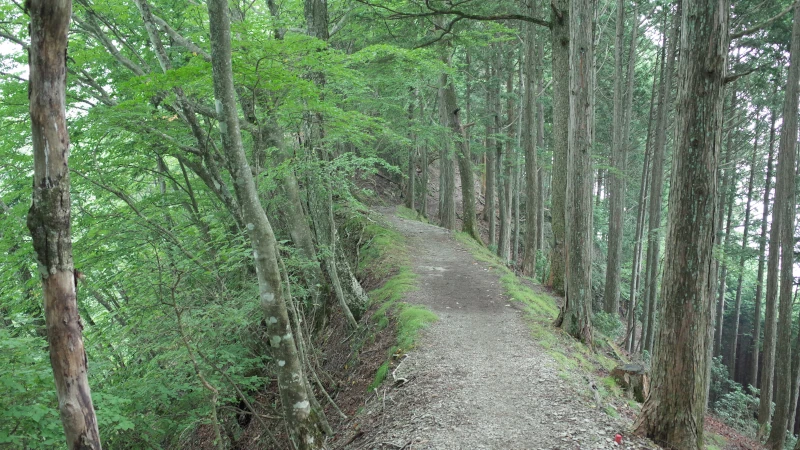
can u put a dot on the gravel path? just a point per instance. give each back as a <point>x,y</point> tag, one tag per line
<point>476,378</point>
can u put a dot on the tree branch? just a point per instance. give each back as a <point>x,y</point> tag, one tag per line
<point>763,24</point>
<point>432,12</point>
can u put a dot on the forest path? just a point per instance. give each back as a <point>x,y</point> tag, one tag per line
<point>477,380</point>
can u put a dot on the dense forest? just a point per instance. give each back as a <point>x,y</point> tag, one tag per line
<point>197,245</point>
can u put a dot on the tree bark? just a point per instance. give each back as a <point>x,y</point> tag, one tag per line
<point>560,35</point>
<point>576,314</point>
<point>49,219</point>
<point>785,202</point>
<point>303,423</point>
<point>674,412</point>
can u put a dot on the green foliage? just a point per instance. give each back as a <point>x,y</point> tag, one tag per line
<point>730,402</point>
<point>609,325</point>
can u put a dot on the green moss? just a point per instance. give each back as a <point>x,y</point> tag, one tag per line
<point>410,320</point>
<point>410,214</point>
<point>380,375</point>
<point>611,411</point>
<point>714,441</point>
<point>385,257</point>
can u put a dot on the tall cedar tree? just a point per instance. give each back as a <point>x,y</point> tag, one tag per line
<point>674,411</point>
<point>576,314</point>
<point>785,211</point>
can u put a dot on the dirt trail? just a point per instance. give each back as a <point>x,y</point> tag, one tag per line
<point>476,379</point>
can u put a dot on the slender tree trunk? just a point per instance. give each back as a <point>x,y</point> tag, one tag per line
<point>641,210</point>
<point>656,188</point>
<point>673,413</point>
<point>304,424</point>
<point>786,202</point>
<point>619,156</point>
<point>795,376</point>
<point>762,246</point>
<point>726,173</point>
<point>447,182</point>
<point>560,35</point>
<point>506,162</point>
<point>449,114</point>
<point>770,315</point>
<point>738,302</point>
<point>49,219</point>
<point>540,190</point>
<point>302,235</point>
<point>530,138</point>
<point>724,271</point>
<point>412,170</point>
<point>423,162</point>
<point>576,314</point>
<point>491,164</point>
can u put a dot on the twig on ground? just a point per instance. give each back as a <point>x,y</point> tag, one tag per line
<point>400,380</point>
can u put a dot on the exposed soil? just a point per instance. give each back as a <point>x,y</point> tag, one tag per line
<point>476,379</point>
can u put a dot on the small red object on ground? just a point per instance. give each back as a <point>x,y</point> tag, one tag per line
<point>618,439</point>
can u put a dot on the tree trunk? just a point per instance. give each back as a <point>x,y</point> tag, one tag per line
<point>423,162</point>
<point>795,377</point>
<point>49,219</point>
<point>619,151</point>
<point>491,164</point>
<point>724,271</point>
<point>576,314</point>
<point>412,171</point>
<point>505,182</point>
<point>304,424</point>
<point>762,246</point>
<point>727,176</point>
<point>673,414</point>
<point>560,35</point>
<point>656,188</point>
<point>770,315</point>
<point>450,119</point>
<point>738,302</point>
<point>447,185</point>
<point>641,210</point>
<point>530,138</point>
<point>785,202</point>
